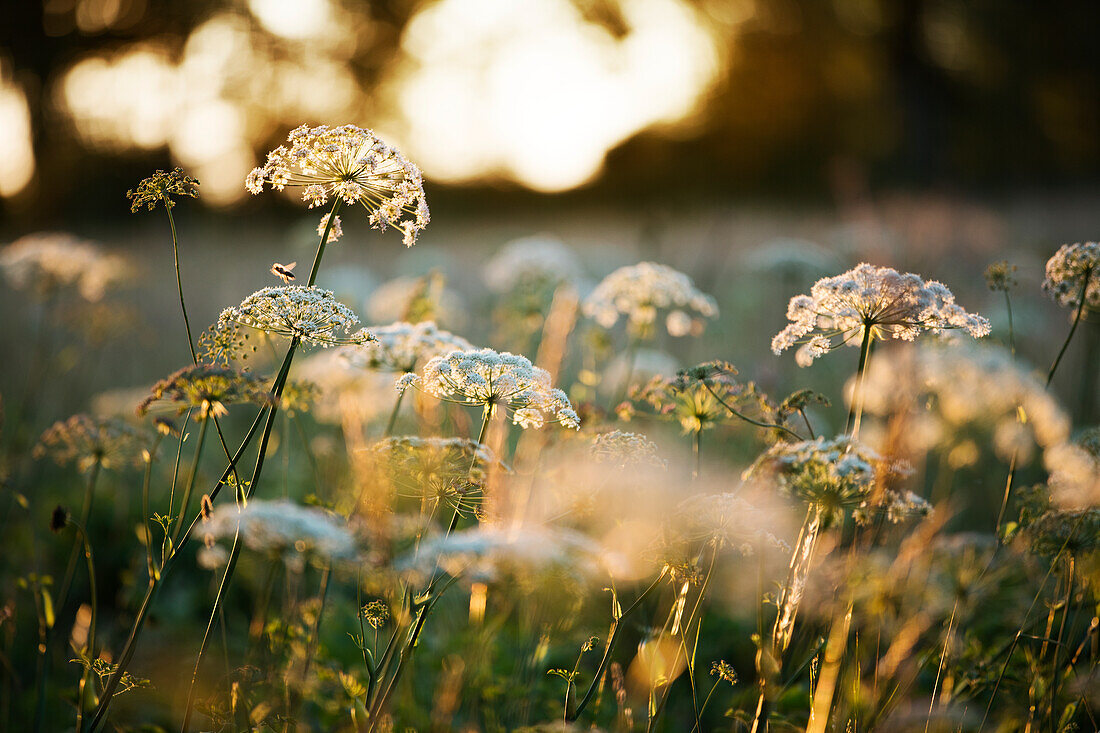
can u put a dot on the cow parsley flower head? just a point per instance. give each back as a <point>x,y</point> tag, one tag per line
<point>352,164</point>
<point>725,519</point>
<point>1074,468</point>
<point>160,188</point>
<point>837,475</point>
<point>334,233</point>
<point>308,313</point>
<point>87,440</point>
<point>48,261</point>
<point>626,450</point>
<point>400,346</point>
<point>208,389</point>
<point>640,291</point>
<point>535,260</point>
<point>1075,532</point>
<point>889,304</point>
<point>485,377</point>
<point>280,528</point>
<point>450,471</point>
<point>1068,271</point>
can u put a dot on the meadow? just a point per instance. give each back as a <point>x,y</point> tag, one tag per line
<point>662,473</point>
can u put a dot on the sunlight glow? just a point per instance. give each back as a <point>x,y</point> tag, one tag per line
<point>16,150</point>
<point>527,89</point>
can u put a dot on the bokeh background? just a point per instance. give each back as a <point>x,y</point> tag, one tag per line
<point>931,135</point>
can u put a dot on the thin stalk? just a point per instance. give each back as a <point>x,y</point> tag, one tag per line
<point>622,390</point>
<point>855,413</point>
<point>393,415</point>
<point>86,676</point>
<point>324,241</point>
<point>486,417</point>
<point>1066,600</point>
<point>145,504</point>
<point>315,634</point>
<point>616,630</point>
<point>1076,320</point>
<point>179,281</point>
<point>189,487</point>
<point>696,450</point>
<point>1011,330</point>
<point>85,513</point>
<point>748,419</point>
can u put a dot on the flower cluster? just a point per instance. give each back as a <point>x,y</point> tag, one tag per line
<point>640,291</point>
<point>400,346</point>
<point>1074,532</point>
<point>87,440</point>
<point>837,475</point>
<point>1001,276</point>
<point>725,519</point>
<point>352,164</point>
<point>626,450</point>
<point>491,379</point>
<point>880,300</point>
<point>51,260</point>
<point>1075,471</point>
<point>334,232</point>
<point>310,314</point>
<point>531,262</point>
<point>160,188</point>
<point>699,400</point>
<point>1073,268</point>
<point>450,470</point>
<point>208,389</point>
<point>280,527</point>
<point>964,387</point>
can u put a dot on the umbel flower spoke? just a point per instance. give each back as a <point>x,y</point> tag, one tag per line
<point>310,314</point>
<point>351,164</point>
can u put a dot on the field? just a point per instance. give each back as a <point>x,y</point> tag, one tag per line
<point>572,468</point>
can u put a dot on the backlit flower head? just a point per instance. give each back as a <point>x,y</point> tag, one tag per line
<point>160,188</point>
<point>1074,468</point>
<point>400,346</point>
<point>280,528</point>
<point>352,164</point>
<point>838,475</point>
<point>86,440</point>
<point>531,261</point>
<point>449,471</point>
<point>208,389</point>
<point>640,291</point>
<point>310,314</point>
<point>1075,532</point>
<point>725,519</point>
<point>890,304</point>
<point>50,260</point>
<point>1069,269</point>
<point>492,379</point>
<point>626,450</point>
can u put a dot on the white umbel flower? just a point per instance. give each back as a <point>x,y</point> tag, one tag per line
<point>280,528</point>
<point>485,377</point>
<point>888,303</point>
<point>541,258</point>
<point>308,313</point>
<point>400,346</point>
<point>1069,269</point>
<point>640,291</point>
<point>352,164</point>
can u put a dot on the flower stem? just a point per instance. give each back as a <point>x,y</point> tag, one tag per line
<point>1011,330</point>
<point>748,419</point>
<point>324,241</point>
<point>1076,320</point>
<point>145,505</point>
<point>90,646</point>
<point>855,413</point>
<point>179,280</point>
<point>85,513</point>
<point>189,487</point>
<point>393,415</point>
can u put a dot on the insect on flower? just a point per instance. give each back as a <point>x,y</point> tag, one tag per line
<point>283,272</point>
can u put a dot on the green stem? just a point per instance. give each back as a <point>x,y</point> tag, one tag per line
<point>145,505</point>
<point>855,413</point>
<point>393,415</point>
<point>1076,320</point>
<point>324,241</point>
<point>179,280</point>
<point>746,418</point>
<point>85,513</point>
<point>189,487</point>
<point>90,648</point>
<point>1011,330</point>
<point>616,631</point>
<point>696,453</point>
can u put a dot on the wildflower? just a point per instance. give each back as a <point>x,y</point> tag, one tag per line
<point>416,299</point>
<point>1075,471</point>
<point>352,164</point>
<point>48,261</point>
<point>837,475</point>
<point>962,388</point>
<point>208,388</point>
<point>724,671</point>
<point>640,291</point>
<point>724,519</point>
<point>299,395</point>
<point>223,343</point>
<point>376,614</point>
<point>309,314</point>
<point>694,399</point>
<point>87,441</point>
<point>334,233</point>
<point>493,380</point>
<point>1001,276</point>
<point>160,188</point>
<point>449,470</point>
<point>531,262</point>
<point>878,301</point>
<point>400,346</point>
<point>622,450</point>
<point>1073,268</point>
<point>281,528</point>
<point>1075,532</point>
<point>484,554</point>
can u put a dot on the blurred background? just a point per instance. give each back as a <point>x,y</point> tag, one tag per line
<point>931,135</point>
